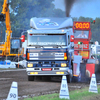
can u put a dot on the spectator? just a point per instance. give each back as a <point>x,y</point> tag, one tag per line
<point>82,35</point>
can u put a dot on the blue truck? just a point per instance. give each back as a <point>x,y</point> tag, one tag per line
<point>49,49</point>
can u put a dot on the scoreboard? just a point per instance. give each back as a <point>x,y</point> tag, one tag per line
<point>81,25</point>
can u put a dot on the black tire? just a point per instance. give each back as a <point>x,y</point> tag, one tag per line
<point>47,78</point>
<point>38,77</point>
<point>30,78</point>
<point>69,79</point>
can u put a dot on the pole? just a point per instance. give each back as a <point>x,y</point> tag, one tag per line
<point>18,58</point>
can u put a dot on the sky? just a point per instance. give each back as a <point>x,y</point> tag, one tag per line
<point>85,8</point>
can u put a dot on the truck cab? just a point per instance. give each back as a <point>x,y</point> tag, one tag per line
<point>48,51</point>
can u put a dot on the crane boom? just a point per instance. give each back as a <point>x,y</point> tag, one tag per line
<point>6,15</point>
<point>8,49</point>
<point>5,12</point>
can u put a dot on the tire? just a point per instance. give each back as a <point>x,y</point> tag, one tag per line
<point>69,79</point>
<point>47,78</point>
<point>30,78</point>
<point>38,77</point>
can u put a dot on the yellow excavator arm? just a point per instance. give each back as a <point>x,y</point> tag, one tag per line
<point>5,12</point>
<point>5,16</point>
<point>8,48</point>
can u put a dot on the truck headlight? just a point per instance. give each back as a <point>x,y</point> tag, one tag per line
<point>29,65</point>
<point>59,72</point>
<point>63,64</point>
<point>32,73</point>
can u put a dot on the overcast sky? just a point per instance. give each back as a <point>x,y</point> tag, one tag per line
<point>85,8</point>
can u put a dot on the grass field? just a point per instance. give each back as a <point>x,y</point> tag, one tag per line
<point>80,94</point>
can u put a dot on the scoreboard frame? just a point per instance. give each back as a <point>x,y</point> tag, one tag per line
<point>81,25</point>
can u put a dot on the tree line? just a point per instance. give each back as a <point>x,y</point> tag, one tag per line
<point>22,10</point>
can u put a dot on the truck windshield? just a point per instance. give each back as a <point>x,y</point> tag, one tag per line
<point>47,40</point>
<point>81,34</point>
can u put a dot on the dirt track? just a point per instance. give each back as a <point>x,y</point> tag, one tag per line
<point>34,88</point>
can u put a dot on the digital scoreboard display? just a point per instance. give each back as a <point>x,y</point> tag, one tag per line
<point>81,25</point>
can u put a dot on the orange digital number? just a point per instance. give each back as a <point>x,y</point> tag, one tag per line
<point>82,25</point>
<point>87,25</point>
<point>76,25</point>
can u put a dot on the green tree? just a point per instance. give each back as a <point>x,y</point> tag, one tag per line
<point>96,30</point>
<point>27,9</point>
<point>22,10</point>
<point>81,18</point>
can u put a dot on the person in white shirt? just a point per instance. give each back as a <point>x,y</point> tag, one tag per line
<point>82,35</point>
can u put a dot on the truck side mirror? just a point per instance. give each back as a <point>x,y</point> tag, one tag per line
<point>23,38</point>
<point>72,38</point>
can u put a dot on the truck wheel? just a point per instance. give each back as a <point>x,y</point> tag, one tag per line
<point>69,79</point>
<point>38,77</point>
<point>30,78</point>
